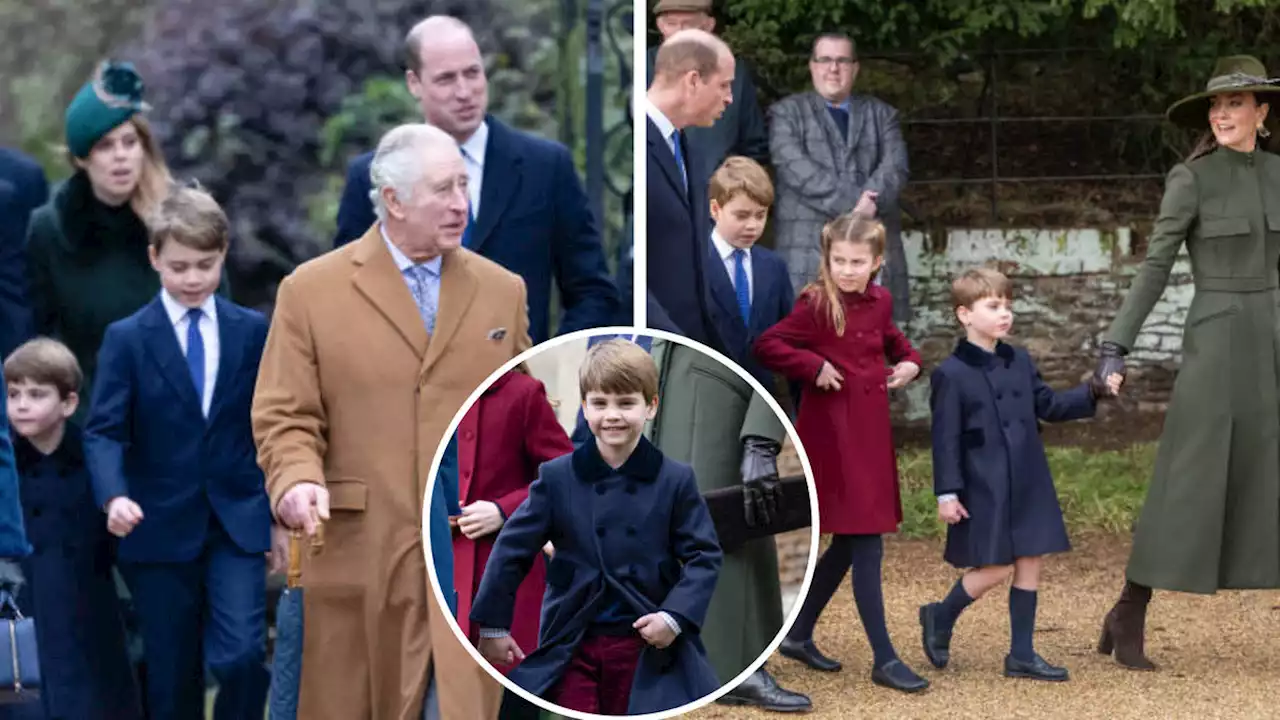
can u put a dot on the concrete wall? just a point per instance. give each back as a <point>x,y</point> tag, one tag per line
<point>1069,284</point>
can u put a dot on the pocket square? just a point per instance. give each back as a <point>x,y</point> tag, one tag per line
<point>497,333</point>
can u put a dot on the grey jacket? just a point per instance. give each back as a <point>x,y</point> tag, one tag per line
<point>820,175</point>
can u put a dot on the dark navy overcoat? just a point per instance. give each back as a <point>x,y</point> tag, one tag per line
<point>987,449</point>
<point>644,533</point>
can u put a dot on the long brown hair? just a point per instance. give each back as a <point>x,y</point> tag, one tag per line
<point>154,180</point>
<point>852,228</point>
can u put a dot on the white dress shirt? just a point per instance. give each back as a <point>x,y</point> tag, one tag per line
<point>725,250</point>
<point>177,313</point>
<point>665,126</point>
<point>473,158</point>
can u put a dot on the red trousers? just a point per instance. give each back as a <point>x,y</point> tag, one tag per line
<point>598,679</point>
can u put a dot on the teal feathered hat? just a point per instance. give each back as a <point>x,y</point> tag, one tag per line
<point>106,102</point>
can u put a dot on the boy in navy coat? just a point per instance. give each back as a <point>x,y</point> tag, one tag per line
<point>85,669</point>
<point>635,564</point>
<point>990,472</point>
<point>170,448</point>
<point>750,287</point>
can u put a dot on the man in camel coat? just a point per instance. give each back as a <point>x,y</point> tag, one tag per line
<point>372,351</point>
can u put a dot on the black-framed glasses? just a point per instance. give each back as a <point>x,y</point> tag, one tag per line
<point>843,62</point>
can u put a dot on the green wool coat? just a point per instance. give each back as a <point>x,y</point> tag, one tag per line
<point>704,412</point>
<point>1211,519</point>
<point>87,265</point>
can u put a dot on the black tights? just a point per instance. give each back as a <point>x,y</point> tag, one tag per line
<point>864,554</point>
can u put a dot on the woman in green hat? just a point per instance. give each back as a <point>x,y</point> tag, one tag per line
<point>87,247</point>
<point>1211,519</point>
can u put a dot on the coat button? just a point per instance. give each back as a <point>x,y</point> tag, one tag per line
<point>467,435</point>
<point>631,531</point>
<point>600,489</point>
<point>631,489</point>
<point>999,396</point>
<point>600,531</point>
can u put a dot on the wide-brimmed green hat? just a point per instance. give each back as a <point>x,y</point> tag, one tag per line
<point>1237,73</point>
<point>104,103</point>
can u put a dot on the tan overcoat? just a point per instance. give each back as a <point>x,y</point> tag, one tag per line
<point>353,394</point>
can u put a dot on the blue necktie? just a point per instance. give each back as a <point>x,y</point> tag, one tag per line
<point>741,286</point>
<point>679,153</point>
<point>841,116</point>
<point>195,353</point>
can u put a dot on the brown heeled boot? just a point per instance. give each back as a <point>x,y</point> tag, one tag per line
<point>1124,627</point>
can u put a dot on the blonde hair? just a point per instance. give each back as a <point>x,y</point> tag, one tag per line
<point>739,175</point>
<point>155,178</point>
<point>45,361</point>
<point>190,217</point>
<point>618,367</point>
<point>853,228</point>
<point>977,284</point>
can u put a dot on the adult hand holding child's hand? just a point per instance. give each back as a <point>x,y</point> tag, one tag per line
<point>123,515</point>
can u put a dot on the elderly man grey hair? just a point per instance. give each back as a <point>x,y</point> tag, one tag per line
<point>397,163</point>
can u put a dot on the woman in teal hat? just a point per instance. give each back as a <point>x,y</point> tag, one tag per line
<point>1211,519</point>
<point>87,247</point>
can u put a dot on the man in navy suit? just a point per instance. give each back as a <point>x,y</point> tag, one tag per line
<point>529,212</point>
<point>170,450</point>
<point>692,85</point>
<point>23,188</point>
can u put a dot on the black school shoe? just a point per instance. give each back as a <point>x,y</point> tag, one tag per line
<point>762,691</point>
<point>937,642</point>
<point>808,653</point>
<point>897,676</point>
<point>1034,669</point>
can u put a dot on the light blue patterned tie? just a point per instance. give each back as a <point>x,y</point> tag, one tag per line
<point>419,277</point>
<point>741,286</point>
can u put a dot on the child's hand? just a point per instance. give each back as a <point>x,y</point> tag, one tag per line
<point>952,512</point>
<point>278,556</point>
<point>655,630</point>
<point>501,651</point>
<point>1114,381</point>
<point>479,519</point>
<point>123,515</point>
<point>829,378</point>
<point>549,549</point>
<point>903,373</point>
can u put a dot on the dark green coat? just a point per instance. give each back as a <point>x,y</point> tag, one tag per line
<point>88,267</point>
<point>1212,514</point>
<point>704,411</point>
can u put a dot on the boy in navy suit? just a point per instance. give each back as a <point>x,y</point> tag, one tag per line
<point>990,471</point>
<point>170,449</point>
<point>749,285</point>
<point>635,564</point>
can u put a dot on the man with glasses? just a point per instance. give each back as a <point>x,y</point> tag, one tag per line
<point>835,151</point>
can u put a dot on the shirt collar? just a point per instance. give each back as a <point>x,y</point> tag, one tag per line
<point>723,247</point>
<point>644,464</point>
<point>403,262</point>
<point>665,126</point>
<point>842,105</point>
<point>475,145</point>
<point>177,311</point>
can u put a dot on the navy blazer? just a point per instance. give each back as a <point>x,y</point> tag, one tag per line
<point>987,449</point>
<point>771,301</point>
<point>13,536</point>
<point>643,533</point>
<point>534,220</point>
<point>146,437</point>
<point>679,225</point>
<point>23,188</point>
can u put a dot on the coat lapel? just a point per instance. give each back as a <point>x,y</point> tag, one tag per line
<point>503,168</point>
<point>231,342</point>
<point>458,287</point>
<point>721,285</point>
<point>857,122</point>
<point>378,279</point>
<point>659,150</point>
<point>162,344</point>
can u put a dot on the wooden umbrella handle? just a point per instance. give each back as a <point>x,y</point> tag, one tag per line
<point>295,553</point>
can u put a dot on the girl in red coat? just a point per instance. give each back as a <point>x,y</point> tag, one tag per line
<point>836,341</point>
<point>502,440</point>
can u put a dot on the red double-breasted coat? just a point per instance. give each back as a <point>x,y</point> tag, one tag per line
<point>846,433</point>
<point>502,440</point>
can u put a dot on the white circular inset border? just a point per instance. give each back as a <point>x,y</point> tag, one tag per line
<point>625,332</point>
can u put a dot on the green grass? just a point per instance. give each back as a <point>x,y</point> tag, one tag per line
<point>1098,490</point>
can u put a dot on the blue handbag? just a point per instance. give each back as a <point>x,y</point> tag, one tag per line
<point>19,660</point>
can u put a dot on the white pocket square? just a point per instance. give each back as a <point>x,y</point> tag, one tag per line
<point>497,333</point>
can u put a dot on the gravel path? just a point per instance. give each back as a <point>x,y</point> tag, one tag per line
<point>1218,654</point>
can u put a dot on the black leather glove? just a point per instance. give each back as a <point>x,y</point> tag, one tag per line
<point>11,577</point>
<point>761,488</point>
<point>1110,360</point>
